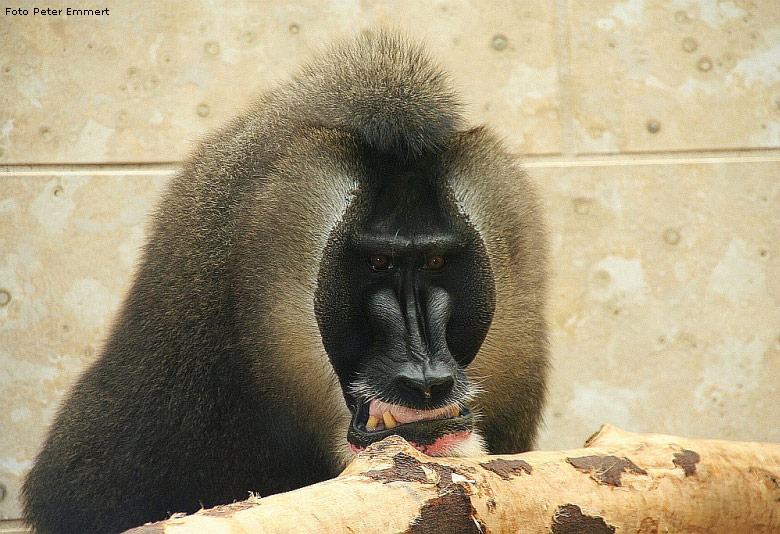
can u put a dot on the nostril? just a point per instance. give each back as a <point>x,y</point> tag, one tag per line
<point>440,379</point>
<point>411,386</point>
<point>442,388</point>
<point>433,387</point>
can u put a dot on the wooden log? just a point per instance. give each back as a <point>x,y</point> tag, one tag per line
<point>620,482</point>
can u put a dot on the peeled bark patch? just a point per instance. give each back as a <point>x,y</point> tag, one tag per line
<point>506,468</point>
<point>687,460</point>
<point>569,519</point>
<point>605,469</point>
<point>450,512</point>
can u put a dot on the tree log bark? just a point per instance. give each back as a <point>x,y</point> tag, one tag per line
<point>620,482</point>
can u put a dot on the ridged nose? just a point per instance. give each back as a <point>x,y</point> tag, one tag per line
<point>413,313</point>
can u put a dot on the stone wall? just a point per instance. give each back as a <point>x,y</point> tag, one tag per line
<point>651,126</point>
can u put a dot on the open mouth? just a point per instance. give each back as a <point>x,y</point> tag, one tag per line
<point>434,432</point>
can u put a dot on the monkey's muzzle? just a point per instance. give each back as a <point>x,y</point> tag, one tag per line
<point>433,432</point>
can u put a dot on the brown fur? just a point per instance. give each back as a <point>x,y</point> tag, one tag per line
<point>511,366</point>
<point>214,381</point>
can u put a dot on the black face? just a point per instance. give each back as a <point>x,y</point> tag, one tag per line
<point>404,301</point>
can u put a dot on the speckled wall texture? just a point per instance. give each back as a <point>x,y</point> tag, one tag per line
<point>651,126</point>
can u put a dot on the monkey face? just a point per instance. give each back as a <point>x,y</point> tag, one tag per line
<point>404,301</point>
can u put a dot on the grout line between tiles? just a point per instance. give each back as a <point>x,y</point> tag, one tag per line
<point>529,161</point>
<point>638,162</point>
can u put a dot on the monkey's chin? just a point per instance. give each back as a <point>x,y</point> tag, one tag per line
<point>435,437</point>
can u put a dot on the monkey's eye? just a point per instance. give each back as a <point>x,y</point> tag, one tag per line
<point>434,263</point>
<point>379,262</point>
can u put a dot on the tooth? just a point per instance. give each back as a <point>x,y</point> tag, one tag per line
<point>389,420</point>
<point>372,422</point>
<point>455,411</point>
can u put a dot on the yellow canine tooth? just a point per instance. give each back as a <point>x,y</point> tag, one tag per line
<point>389,420</point>
<point>373,420</point>
<point>456,411</point>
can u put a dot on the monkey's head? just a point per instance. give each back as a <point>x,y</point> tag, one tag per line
<point>418,248</point>
<point>414,300</point>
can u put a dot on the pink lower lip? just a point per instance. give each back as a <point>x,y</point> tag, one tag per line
<point>443,445</point>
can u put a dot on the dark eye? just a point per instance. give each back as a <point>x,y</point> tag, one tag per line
<point>379,261</point>
<point>434,263</point>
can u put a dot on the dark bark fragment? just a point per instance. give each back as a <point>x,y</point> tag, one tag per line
<point>687,460</point>
<point>569,519</point>
<point>506,468</point>
<point>405,468</point>
<point>605,469</point>
<point>450,512</point>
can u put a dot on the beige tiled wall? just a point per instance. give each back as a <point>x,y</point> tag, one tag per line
<point>651,126</point>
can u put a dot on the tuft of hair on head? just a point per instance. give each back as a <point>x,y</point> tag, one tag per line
<point>383,89</point>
